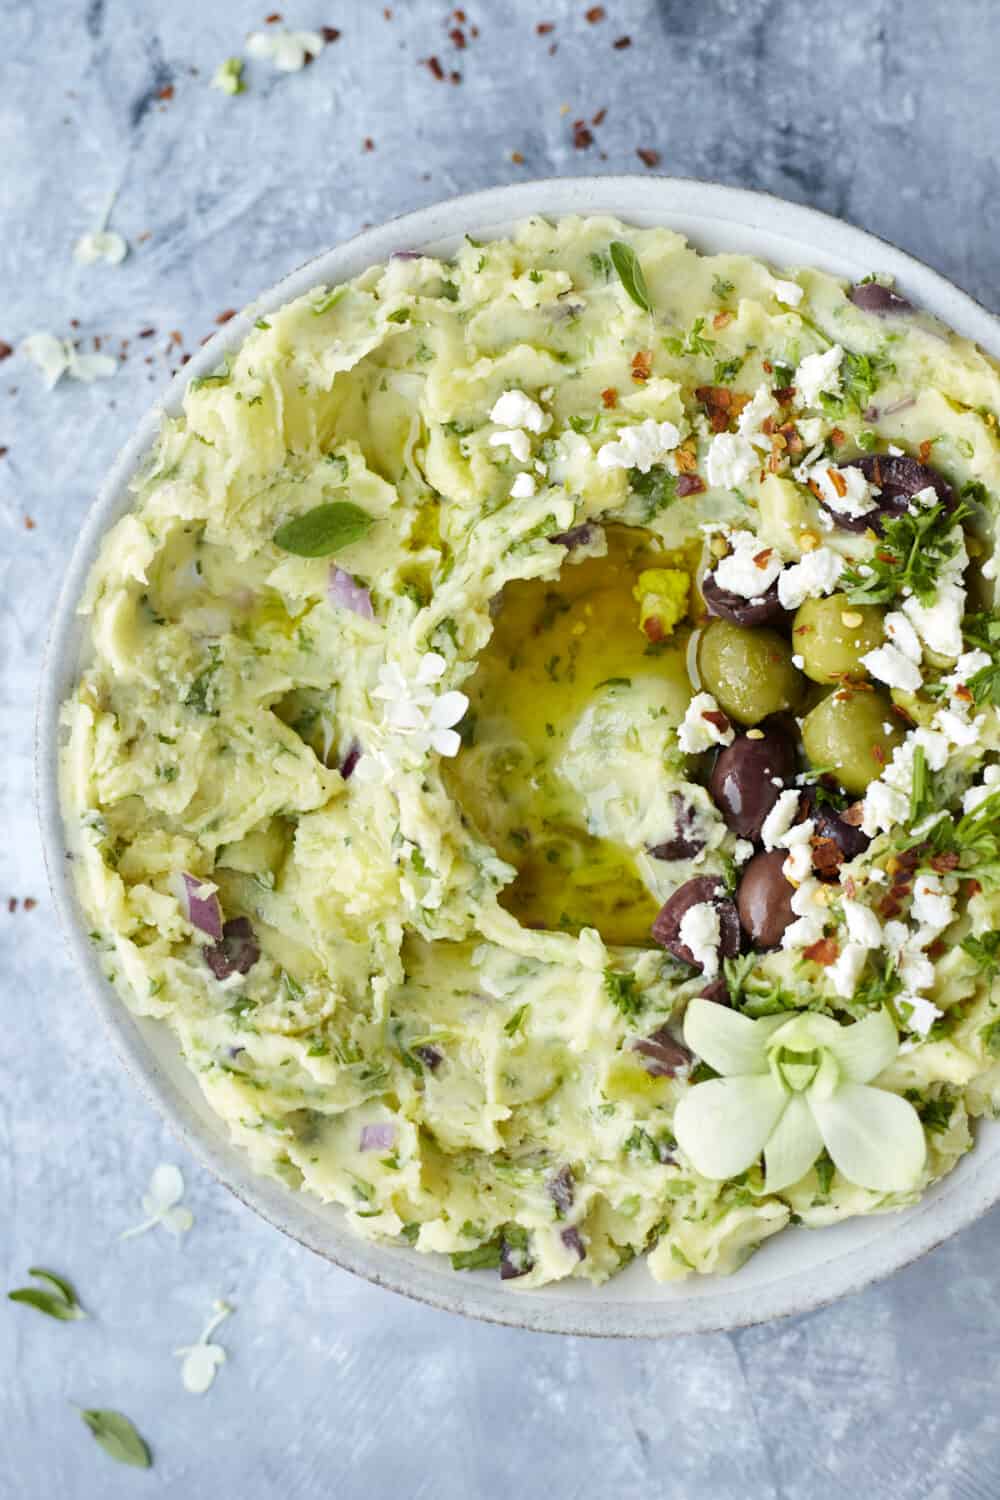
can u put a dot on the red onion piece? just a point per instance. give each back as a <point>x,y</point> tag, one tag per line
<point>378,1137</point>
<point>203,912</point>
<point>690,484</point>
<point>561,1188</point>
<point>236,952</point>
<point>345,591</point>
<point>350,761</point>
<point>429,1056</point>
<point>578,536</point>
<point>571,1239</point>
<point>406,255</point>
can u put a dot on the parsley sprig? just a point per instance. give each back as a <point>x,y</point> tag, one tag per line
<point>908,559</point>
<point>983,631</point>
<point>860,377</point>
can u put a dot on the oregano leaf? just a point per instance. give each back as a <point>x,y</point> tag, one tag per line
<point>118,1437</point>
<point>323,530</point>
<point>626,263</point>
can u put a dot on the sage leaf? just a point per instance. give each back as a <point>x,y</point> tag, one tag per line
<point>324,530</point>
<point>626,263</point>
<point>118,1437</point>
<point>61,1302</point>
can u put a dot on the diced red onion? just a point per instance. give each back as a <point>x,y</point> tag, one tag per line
<point>429,1056</point>
<point>663,1055</point>
<point>405,255</point>
<point>345,591</point>
<point>689,484</point>
<point>578,536</point>
<point>378,1137</point>
<point>203,912</point>
<point>561,1188</point>
<point>571,1239</point>
<point>350,761</point>
<point>513,1262</point>
<point>236,952</point>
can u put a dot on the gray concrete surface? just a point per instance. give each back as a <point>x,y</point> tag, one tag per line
<point>883,111</point>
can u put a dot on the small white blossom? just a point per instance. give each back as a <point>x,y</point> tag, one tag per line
<point>288,50</point>
<point>100,244</point>
<point>162,1204</point>
<point>415,718</point>
<point>202,1360</point>
<point>57,357</point>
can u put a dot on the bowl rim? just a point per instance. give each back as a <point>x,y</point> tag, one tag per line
<point>671,202</point>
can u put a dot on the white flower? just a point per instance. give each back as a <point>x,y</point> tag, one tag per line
<point>162,1204</point>
<point>100,244</point>
<point>57,357</point>
<point>416,717</point>
<point>201,1360</point>
<point>788,1088</point>
<point>288,50</point>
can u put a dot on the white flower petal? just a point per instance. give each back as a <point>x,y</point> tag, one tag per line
<point>199,1367</point>
<point>722,1126</point>
<point>88,367</point>
<point>431,668</point>
<point>793,1146</point>
<point>727,1041</point>
<point>178,1220</point>
<point>48,353</point>
<point>864,1049</point>
<point>446,742</point>
<point>166,1187</point>
<point>448,709</point>
<point>875,1138</point>
<point>100,244</point>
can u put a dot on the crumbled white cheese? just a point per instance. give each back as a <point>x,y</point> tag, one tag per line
<point>515,440</point>
<point>742,850</point>
<point>957,727</point>
<point>812,431</point>
<point>889,665</point>
<point>863,926</point>
<point>902,635</point>
<point>731,461</point>
<point>780,819</point>
<point>697,733</point>
<point>978,794</point>
<point>755,414</point>
<point>100,244</point>
<point>701,932</point>
<point>932,906</point>
<point>640,447</point>
<point>515,409</point>
<point>809,927</point>
<point>939,624</point>
<point>523,487</point>
<point>58,357</point>
<point>884,807</point>
<point>787,291</point>
<point>968,664</point>
<point>798,662</point>
<point>750,568</point>
<point>918,1012</point>
<point>815,575</point>
<point>818,373</point>
<point>845,971</point>
<point>797,868</point>
<point>915,968</point>
<point>858,498</point>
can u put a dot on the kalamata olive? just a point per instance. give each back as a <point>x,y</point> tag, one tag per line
<point>764,899</point>
<point>873,297</point>
<point>664,1056</point>
<point>237,950</point>
<point>667,926</point>
<point>748,672</point>
<point>845,842</point>
<point>729,606</point>
<point>717,992</point>
<point>852,732</point>
<point>687,840</point>
<point>899,478</point>
<point>745,779</point>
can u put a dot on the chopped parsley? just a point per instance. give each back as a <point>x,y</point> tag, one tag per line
<point>623,992</point>
<point>860,377</point>
<point>516,1022</point>
<point>983,632</point>
<point>727,370</point>
<point>722,288</point>
<point>908,558</point>
<point>985,954</point>
<point>657,489</point>
<point>693,342</point>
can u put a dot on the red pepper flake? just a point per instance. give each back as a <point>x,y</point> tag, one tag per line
<point>717,718</point>
<point>435,67</point>
<point>690,484</point>
<point>517,157</point>
<point>273,18</point>
<point>387,12</point>
<point>454,78</point>
<point>879,754</point>
<point>783,394</point>
<point>329,33</point>
<point>972,888</point>
<point>224,317</point>
<point>594,14</point>
<point>946,861</point>
<point>837,480</point>
<point>642,365</point>
<point>610,397</point>
<point>368,144</point>
<point>621,43</point>
<point>176,337</point>
<point>6,350</point>
<point>825,951</point>
<point>457,36</point>
<point>29,903</point>
<point>761,559</point>
<point>648,156</point>
<point>544,27</point>
<point>924,451</point>
<point>185,358</point>
<point>144,333</point>
<point>582,137</point>
<point>4,451</point>
<point>167,92</point>
<point>29,524</point>
<point>12,903</point>
<point>837,436</point>
<point>600,117</point>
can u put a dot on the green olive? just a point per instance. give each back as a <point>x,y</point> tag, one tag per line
<point>832,635</point>
<point>749,672</point>
<point>847,734</point>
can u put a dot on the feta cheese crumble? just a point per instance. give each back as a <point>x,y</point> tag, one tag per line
<point>780,819</point>
<point>750,568</point>
<point>846,491</point>
<point>754,415</point>
<point>698,732</point>
<point>731,460</point>
<point>515,409</point>
<point>817,574</point>
<point>902,635</point>
<point>523,487</point>
<point>514,439</point>
<point>701,932</point>
<point>288,50</point>
<point>818,373</point>
<point>889,665</point>
<point>640,447</point>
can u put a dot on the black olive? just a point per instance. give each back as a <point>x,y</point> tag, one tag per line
<point>728,606</point>
<point>844,841</point>
<point>764,899</point>
<point>873,297</point>
<point>899,478</point>
<point>687,840</point>
<point>664,1055</point>
<point>667,926</point>
<point>742,783</point>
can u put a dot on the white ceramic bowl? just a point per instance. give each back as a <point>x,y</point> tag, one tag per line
<point>799,1269</point>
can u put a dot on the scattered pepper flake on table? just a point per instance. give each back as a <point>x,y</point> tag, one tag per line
<point>647,156</point>
<point>6,350</point>
<point>583,137</point>
<point>595,14</point>
<point>621,43</point>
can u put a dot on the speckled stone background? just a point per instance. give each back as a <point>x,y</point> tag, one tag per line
<point>883,111</point>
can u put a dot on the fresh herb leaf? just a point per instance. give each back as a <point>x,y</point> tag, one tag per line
<point>600,264</point>
<point>727,369</point>
<point>118,1437</point>
<point>860,377</point>
<point>985,953</point>
<point>516,1021</point>
<point>908,557</point>
<point>584,424</point>
<point>324,530</point>
<point>936,1114</point>
<point>449,291</point>
<point>61,1302</point>
<point>623,992</point>
<point>485,1257</point>
<point>722,288</point>
<point>626,263</point>
<point>982,631</point>
<point>262,323</point>
<point>921,798</point>
<point>401,315</point>
<point>991,1038</point>
<point>656,489</point>
<point>218,377</point>
<point>330,299</point>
